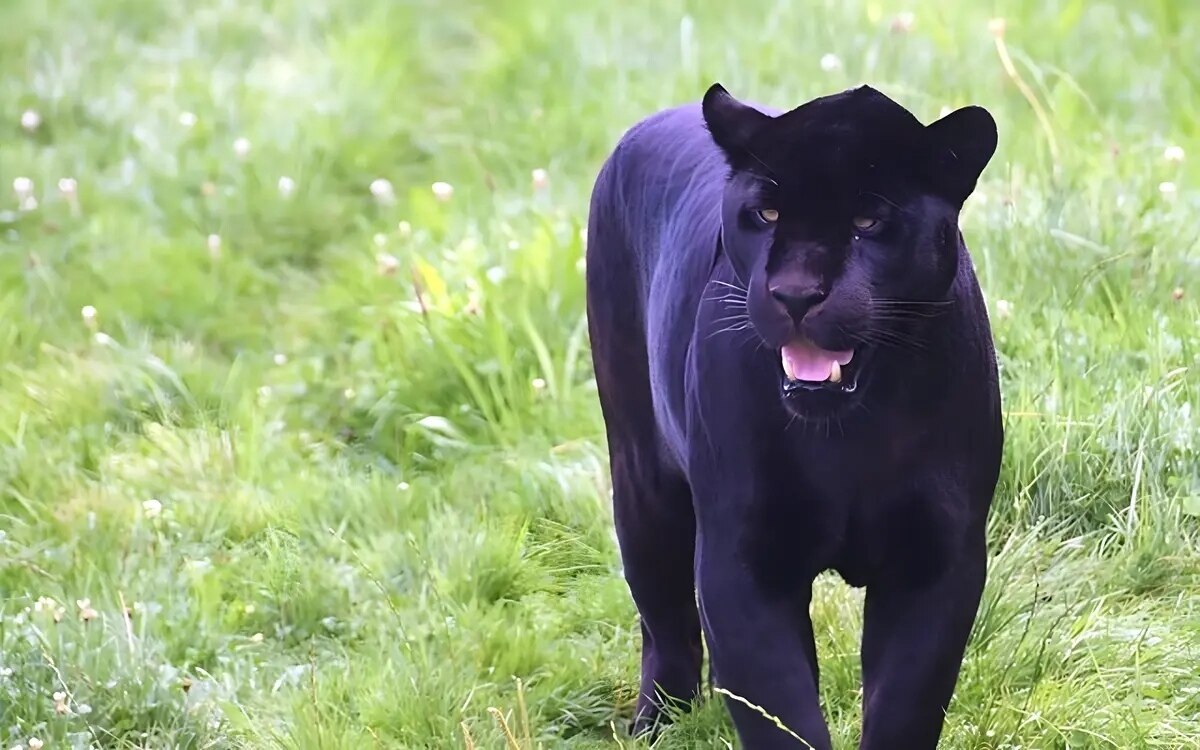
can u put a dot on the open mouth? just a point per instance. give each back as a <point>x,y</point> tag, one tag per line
<point>807,367</point>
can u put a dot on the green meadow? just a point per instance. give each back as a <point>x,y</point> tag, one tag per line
<point>299,441</point>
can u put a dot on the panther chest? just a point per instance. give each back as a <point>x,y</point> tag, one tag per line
<point>868,509</point>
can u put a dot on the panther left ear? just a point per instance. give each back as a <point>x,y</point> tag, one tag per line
<point>731,123</point>
<point>963,143</point>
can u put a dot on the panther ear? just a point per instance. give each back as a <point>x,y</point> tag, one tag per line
<point>731,123</point>
<point>963,143</point>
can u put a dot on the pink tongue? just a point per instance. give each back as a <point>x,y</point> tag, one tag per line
<point>808,362</point>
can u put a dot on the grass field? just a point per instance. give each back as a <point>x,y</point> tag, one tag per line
<point>300,451</point>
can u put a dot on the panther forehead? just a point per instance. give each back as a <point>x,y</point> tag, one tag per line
<point>843,137</point>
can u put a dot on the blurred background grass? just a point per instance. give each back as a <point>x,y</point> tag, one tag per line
<point>297,451</point>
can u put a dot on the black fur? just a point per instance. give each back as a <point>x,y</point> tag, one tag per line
<point>733,482</point>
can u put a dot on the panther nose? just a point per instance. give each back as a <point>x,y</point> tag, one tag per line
<point>798,299</point>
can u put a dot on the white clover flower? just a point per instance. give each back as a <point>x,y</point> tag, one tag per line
<point>386,264</point>
<point>86,612</point>
<point>383,191</point>
<point>443,191</point>
<point>830,62</point>
<point>22,186</point>
<point>31,120</point>
<point>287,186</point>
<point>1174,154</point>
<point>241,148</point>
<point>904,22</point>
<point>187,119</point>
<point>541,178</point>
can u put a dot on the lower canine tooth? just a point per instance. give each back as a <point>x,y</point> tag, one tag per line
<point>835,373</point>
<point>787,370</point>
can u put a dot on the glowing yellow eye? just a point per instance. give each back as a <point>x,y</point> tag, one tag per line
<point>864,223</point>
<point>769,215</point>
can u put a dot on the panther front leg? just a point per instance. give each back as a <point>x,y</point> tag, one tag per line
<point>754,607</point>
<point>914,637</point>
<point>761,647</point>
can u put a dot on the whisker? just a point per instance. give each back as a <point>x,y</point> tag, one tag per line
<point>730,329</point>
<point>727,295</point>
<point>892,339</point>
<point>728,300</point>
<point>896,304</point>
<point>887,334</point>
<point>718,282</point>
<point>748,338</point>
<point>729,318</point>
<point>939,300</point>
<point>904,314</point>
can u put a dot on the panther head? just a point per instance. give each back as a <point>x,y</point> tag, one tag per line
<point>840,219</point>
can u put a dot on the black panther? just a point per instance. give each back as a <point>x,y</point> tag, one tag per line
<point>796,373</point>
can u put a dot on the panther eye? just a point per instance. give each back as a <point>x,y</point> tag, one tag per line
<point>865,223</point>
<point>767,215</point>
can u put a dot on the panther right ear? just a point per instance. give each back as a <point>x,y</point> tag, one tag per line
<point>731,123</point>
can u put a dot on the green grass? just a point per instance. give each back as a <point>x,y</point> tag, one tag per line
<point>378,516</point>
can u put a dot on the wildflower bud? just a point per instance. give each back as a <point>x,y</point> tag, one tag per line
<point>386,264</point>
<point>30,120</point>
<point>903,22</point>
<point>383,191</point>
